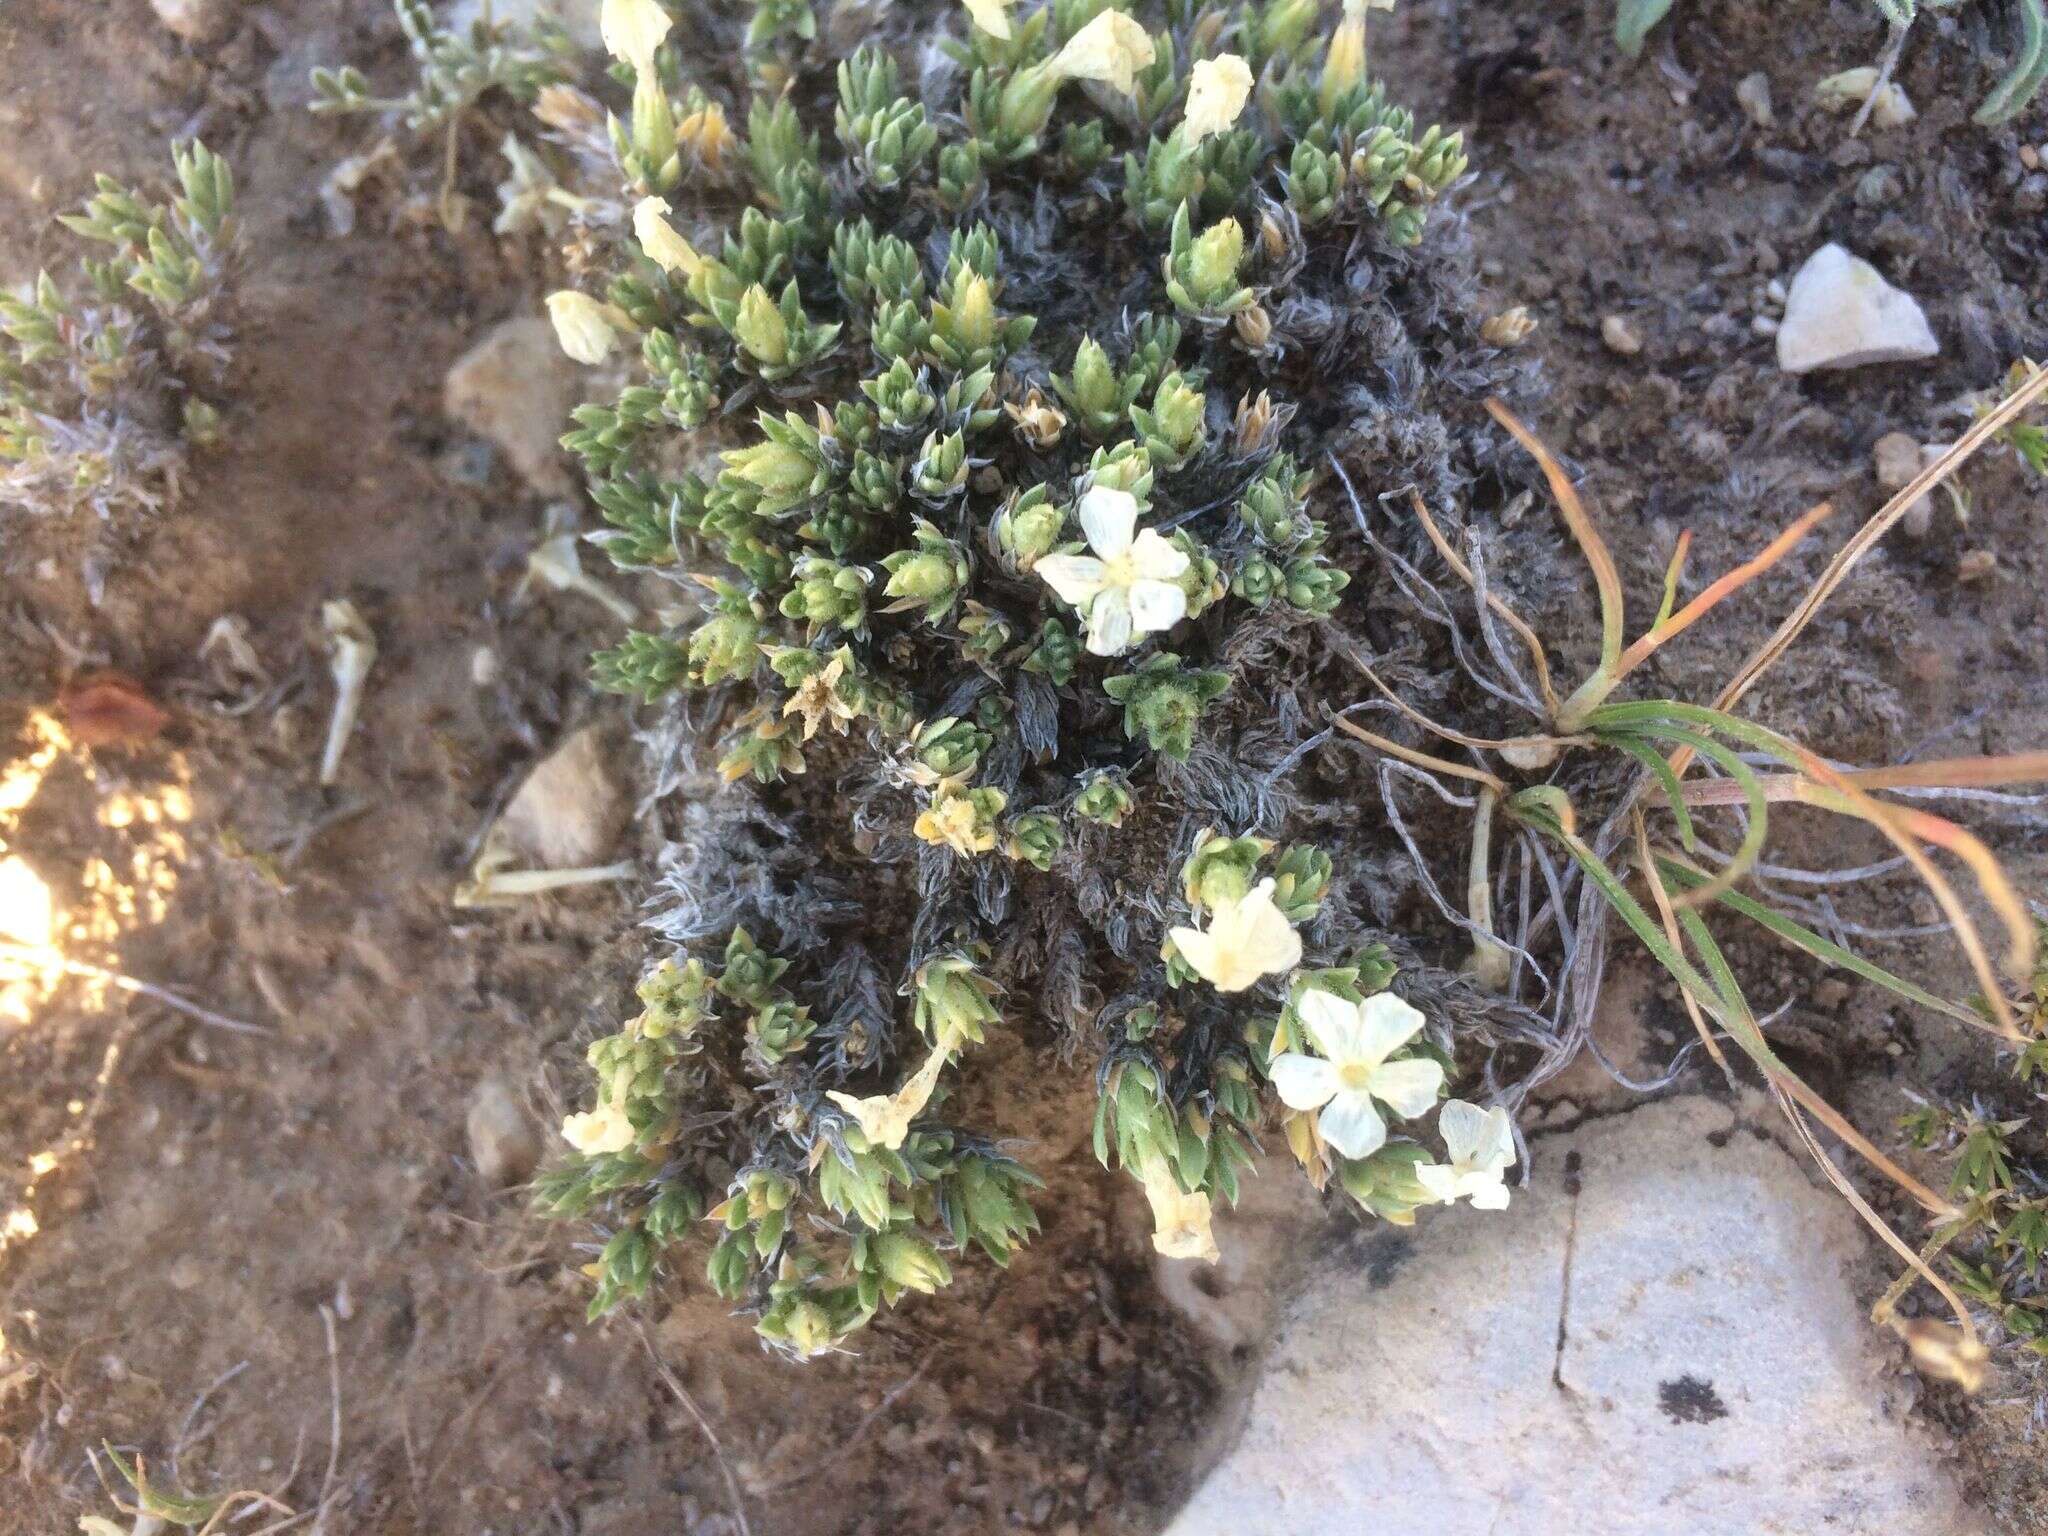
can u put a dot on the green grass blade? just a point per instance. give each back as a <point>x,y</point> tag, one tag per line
<point>1751,848</point>
<point>1800,936</point>
<point>1633,20</point>
<point>1660,770</point>
<point>2029,72</point>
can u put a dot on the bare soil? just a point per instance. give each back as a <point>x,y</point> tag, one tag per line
<point>266,1260</point>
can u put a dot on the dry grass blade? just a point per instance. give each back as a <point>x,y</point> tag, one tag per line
<point>1941,773</point>
<point>1478,743</point>
<point>1606,575</point>
<point>1879,524</point>
<point>1905,829</point>
<point>1538,657</point>
<point>1719,591</point>
<point>1421,759</point>
<point>1669,918</point>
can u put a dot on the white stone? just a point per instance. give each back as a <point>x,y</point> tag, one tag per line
<point>503,1142</point>
<point>1841,313</point>
<point>516,389</point>
<point>570,811</point>
<point>196,21</point>
<point>1666,1342</point>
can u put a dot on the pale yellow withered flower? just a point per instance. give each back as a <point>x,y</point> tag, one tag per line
<point>1217,91</point>
<point>885,1118</point>
<point>992,16</point>
<point>1112,48</point>
<point>632,30</point>
<point>658,238</point>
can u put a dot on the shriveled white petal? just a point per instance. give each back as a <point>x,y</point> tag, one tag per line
<point>885,1118</point>
<point>1075,578</point>
<point>1217,90</point>
<point>1112,48</point>
<point>1109,517</point>
<point>1200,950</point>
<point>992,16</point>
<point>1246,940</point>
<point>1109,622</point>
<point>1181,1222</point>
<point>1409,1087</point>
<point>1387,1024</point>
<point>1156,605</point>
<point>581,326</point>
<point>1332,1024</point>
<point>1156,559</point>
<point>1303,1082</point>
<point>603,1129</point>
<point>664,247</point>
<point>632,30</point>
<point>1351,1125</point>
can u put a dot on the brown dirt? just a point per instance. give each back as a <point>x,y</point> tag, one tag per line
<point>213,1191</point>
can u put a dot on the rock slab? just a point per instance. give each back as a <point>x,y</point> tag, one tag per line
<point>1661,1336</point>
<point>1841,313</point>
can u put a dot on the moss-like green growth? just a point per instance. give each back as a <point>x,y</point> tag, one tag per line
<point>985,422</point>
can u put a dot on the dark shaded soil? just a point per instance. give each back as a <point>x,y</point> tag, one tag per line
<point>212,1192</point>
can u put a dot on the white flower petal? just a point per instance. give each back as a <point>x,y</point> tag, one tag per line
<point>1181,1226</point>
<point>1111,48</point>
<point>1462,1126</point>
<point>1331,1022</point>
<point>1268,940</point>
<point>1108,517</point>
<point>581,326</point>
<point>1109,622</point>
<point>1156,605</point>
<point>632,30</point>
<point>992,16</point>
<point>1387,1025</point>
<point>1154,558</point>
<point>603,1129</point>
<point>1351,1125</point>
<point>1440,1181</point>
<point>1303,1082</point>
<point>1217,89</point>
<point>1491,1196</point>
<point>1200,950</point>
<point>1075,578</point>
<point>664,247</point>
<point>1496,1145</point>
<point>1408,1087</point>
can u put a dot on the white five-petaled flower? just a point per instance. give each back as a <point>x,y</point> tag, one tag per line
<point>603,1129</point>
<point>1112,48</point>
<point>885,1118</point>
<point>1355,1040</point>
<point>632,30</point>
<point>1246,939</point>
<point>1482,1147</point>
<point>1217,90</point>
<point>992,16</point>
<point>582,325</point>
<point>1129,586</point>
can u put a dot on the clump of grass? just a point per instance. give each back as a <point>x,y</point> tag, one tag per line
<point>1645,835</point>
<point>105,382</point>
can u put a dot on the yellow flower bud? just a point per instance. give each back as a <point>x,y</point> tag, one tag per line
<point>761,329</point>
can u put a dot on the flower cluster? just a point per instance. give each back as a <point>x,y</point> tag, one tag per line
<point>103,386</point>
<point>974,421</point>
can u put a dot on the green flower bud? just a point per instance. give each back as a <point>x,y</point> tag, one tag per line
<point>950,748</point>
<point>760,328</point>
<point>1315,587</point>
<point>1057,654</point>
<point>1125,467</point>
<point>1385,1184</point>
<point>984,635</point>
<point>643,664</point>
<point>1203,579</point>
<point>1105,798</point>
<point>940,471</point>
<point>1221,869</point>
<point>749,972</point>
<point>1315,181</point>
<point>901,400</point>
<point>725,648</point>
<point>1093,393</point>
<point>1202,272</point>
<point>1163,702</point>
<point>1174,429</point>
<point>827,593</point>
<point>677,999</point>
<point>960,180</point>
<point>932,575</point>
<point>885,132</point>
<point>779,1028</point>
<point>910,1263</point>
<point>1028,528</point>
<point>1272,505</point>
<point>953,1002</point>
<point>1258,581</point>
<point>1300,878</point>
<point>1034,838</point>
<point>731,1267</point>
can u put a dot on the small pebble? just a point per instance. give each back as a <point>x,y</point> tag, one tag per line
<point>1621,337</point>
<point>196,21</point>
<point>1879,185</point>
<point>503,1142</point>
<point>1753,95</point>
<point>1896,457</point>
<point>1977,565</point>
